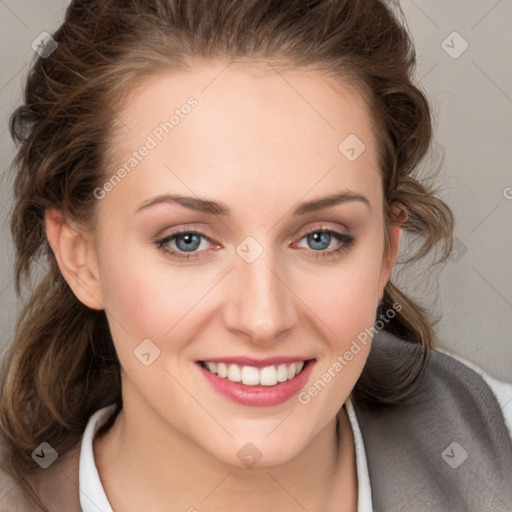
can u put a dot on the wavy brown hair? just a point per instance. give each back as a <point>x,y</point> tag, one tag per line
<point>62,366</point>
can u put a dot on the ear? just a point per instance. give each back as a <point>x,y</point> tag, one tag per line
<point>399,216</point>
<point>76,257</point>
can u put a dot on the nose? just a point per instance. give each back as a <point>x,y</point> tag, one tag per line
<point>261,303</point>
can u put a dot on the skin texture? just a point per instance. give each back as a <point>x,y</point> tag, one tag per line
<point>260,140</point>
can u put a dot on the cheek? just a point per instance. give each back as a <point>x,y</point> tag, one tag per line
<point>347,312</point>
<point>151,301</point>
<point>132,299</point>
<point>141,302</point>
<point>346,298</point>
<point>147,300</point>
<point>350,316</point>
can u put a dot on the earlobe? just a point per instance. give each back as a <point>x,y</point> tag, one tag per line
<point>76,258</point>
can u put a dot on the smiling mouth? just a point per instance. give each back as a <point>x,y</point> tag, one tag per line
<point>251,376</point>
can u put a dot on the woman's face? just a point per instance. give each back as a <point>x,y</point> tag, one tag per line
<point>250,150</point>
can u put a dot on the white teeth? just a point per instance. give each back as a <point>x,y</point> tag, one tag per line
<point>268,376</point>
<point>234,373</point>
<point>222,370</point>
<point>282,373</point>
<point>252,376</point>
<point>212,367</point>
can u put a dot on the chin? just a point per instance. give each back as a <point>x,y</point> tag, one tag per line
<point>243,453</point>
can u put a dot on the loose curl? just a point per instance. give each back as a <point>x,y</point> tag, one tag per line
<point>62,366</point>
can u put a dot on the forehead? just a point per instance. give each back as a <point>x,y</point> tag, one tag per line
<point>252,125</point>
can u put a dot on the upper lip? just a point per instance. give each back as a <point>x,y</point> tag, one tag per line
<point>258,363</point>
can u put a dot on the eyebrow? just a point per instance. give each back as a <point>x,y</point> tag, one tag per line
<point>215,208</point>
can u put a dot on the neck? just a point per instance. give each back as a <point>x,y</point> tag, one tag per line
<point>170,468</point>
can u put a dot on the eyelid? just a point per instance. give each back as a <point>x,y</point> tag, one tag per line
<point>300,233</point>
<point>184,228</point>
<point>319,226</point>
<point>343,237</point>
<point>161,243</point>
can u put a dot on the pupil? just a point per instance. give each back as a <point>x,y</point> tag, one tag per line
<point>190,240</point>
<point>320,238</point>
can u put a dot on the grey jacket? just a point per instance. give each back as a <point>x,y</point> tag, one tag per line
<point>446,450</point>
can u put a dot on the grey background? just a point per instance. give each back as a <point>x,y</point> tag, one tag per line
<point>471,99</point>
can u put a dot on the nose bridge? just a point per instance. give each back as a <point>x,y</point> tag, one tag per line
<point>262,306</point>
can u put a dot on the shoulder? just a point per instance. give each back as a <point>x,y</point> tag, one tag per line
<point>449,393</point>
<point>11,496</point>
<point>453,420</point>
<point>444,373</point>
<point>502,390</point>
<point>57,486</point>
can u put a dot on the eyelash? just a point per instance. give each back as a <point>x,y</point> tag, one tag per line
<point>346,242</point>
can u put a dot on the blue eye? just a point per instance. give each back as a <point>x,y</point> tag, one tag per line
<point>187,243</point>
<point>191,242</point>
<point>320,239</point>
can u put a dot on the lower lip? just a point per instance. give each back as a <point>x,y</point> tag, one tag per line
<point>262,396</point>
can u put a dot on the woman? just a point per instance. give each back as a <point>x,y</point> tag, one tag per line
<point>218,190</point>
